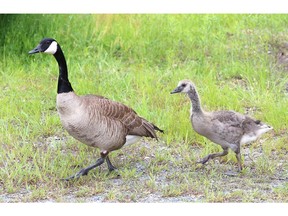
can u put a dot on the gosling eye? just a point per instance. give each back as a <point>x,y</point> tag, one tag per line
<point>183,84</point>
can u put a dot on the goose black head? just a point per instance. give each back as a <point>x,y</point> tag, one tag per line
<point>47,45</point>
<point>183,86</point>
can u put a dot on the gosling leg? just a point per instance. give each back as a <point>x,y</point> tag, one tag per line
<point>239,161</point>
<point>211,156</point>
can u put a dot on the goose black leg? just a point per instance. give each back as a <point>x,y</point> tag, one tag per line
<point>85,171</point>
<point>110,165</point>
<point>211,156</point>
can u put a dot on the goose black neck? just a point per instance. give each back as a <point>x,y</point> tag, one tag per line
<point>196,104</point>
<point>64,85</point>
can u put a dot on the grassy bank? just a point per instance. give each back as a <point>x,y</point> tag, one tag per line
<point>138,60</point>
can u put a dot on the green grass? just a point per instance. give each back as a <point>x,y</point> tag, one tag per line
<point>138,60</point>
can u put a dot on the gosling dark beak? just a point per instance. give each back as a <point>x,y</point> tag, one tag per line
<point>35,50</point>
<point>176,90</point>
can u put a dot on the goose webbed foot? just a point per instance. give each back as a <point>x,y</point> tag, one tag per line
<point>77,175</point>
<point>85,171</point>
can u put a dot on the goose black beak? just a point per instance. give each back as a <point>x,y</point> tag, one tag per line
<point>35,50</point>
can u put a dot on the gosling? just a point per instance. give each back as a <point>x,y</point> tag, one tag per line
<point>228,129</point>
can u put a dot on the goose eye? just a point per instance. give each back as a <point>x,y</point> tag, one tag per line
<point>183,84</point>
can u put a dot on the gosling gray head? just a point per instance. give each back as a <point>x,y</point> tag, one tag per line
<point>184,86</point>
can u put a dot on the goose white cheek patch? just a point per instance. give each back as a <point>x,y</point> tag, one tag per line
<point>52,48</point>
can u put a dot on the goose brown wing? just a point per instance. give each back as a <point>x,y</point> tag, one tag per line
<point>116,111</point>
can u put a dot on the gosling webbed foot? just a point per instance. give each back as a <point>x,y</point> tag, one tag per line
<point>232,173</point>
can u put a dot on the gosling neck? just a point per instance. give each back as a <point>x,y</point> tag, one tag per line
<point>194,97</point>
<point>64,85</point>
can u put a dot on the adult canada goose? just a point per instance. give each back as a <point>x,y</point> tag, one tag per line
<point>226,128</point>
<point>94,120</point>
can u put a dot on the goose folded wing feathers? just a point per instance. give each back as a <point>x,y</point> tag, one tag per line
<point>118,112</point>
